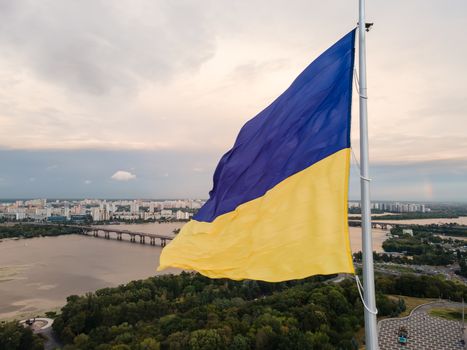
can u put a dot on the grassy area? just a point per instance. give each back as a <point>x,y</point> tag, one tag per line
<point>398,268</point>
<point>447,313</point>
<point>411,303</point>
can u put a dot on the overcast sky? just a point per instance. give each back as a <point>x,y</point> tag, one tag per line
<point>141,98</point>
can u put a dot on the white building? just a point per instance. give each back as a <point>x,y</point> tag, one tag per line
<point>166,213</point>
<point>181,215</point>
<point>134,207</point>
<point>20,215</point>
<point>96,214</point>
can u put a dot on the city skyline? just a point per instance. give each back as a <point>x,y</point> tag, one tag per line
<point>88,112</point>
<point>108,210</point>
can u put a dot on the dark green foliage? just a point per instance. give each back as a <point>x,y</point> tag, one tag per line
<point>425,247</point>
<point>190,311</point>
<point>51,314</point>
<point>14,336</point>
<point>463,267</point>
<point>388,306</point>
<point>30,231</point>
<point>422,287</point>
<point>355,210</point>
<point>434,229</point>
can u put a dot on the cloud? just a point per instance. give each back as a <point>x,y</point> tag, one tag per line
<point>122,175</point>
<point>182,77</point>
<point>51,167</point>
<point>428,180</point>
<point>87,182</point>
<point>119,48</point>
<point>257,70</point>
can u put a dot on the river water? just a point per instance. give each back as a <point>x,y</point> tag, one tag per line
<point>38,274</point>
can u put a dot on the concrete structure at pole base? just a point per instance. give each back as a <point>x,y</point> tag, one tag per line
<point>423,330</point>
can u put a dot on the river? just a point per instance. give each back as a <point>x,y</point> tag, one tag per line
<point>38,274</point>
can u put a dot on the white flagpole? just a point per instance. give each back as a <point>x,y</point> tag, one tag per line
<point>371,331</point>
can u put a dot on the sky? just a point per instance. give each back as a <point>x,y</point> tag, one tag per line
<point>140,99</point>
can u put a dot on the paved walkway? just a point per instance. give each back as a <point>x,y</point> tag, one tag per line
<point>43,325</point>
<point>425,332</point>
<point>40,324</point>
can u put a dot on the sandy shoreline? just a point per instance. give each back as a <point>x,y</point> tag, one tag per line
<point>23,315</point>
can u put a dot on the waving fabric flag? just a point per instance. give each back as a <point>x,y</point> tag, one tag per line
<point>278,208</point>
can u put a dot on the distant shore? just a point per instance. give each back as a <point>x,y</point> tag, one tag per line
<point>39,274</point>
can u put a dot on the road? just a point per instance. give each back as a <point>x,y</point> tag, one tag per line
<point>419,270</point>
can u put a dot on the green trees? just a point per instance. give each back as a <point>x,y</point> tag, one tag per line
<point>463,266</point>
<point>424,248</point>
<point>149,344</point>
<point>190,311</point>
<point>14,336</point>
<point>206,339</point>
<point>25,231</point>
<point>390,307</point>
<point>422,287</point>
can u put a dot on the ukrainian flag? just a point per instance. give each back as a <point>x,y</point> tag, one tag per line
<point>278,208</point>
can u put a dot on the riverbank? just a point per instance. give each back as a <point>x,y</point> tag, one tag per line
<point>31,314</point>
<point>20,231</point>
<point>38,274</point>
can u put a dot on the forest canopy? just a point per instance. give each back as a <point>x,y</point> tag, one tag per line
<point>190,311</point>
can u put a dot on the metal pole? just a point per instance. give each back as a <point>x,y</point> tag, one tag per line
<point>463,324</point>
<point>371,331</point>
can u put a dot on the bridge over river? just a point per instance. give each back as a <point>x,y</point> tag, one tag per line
<point>162,240</point>
<point>134,236</point>
<point>379,224</point>
<point>114,233</point>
